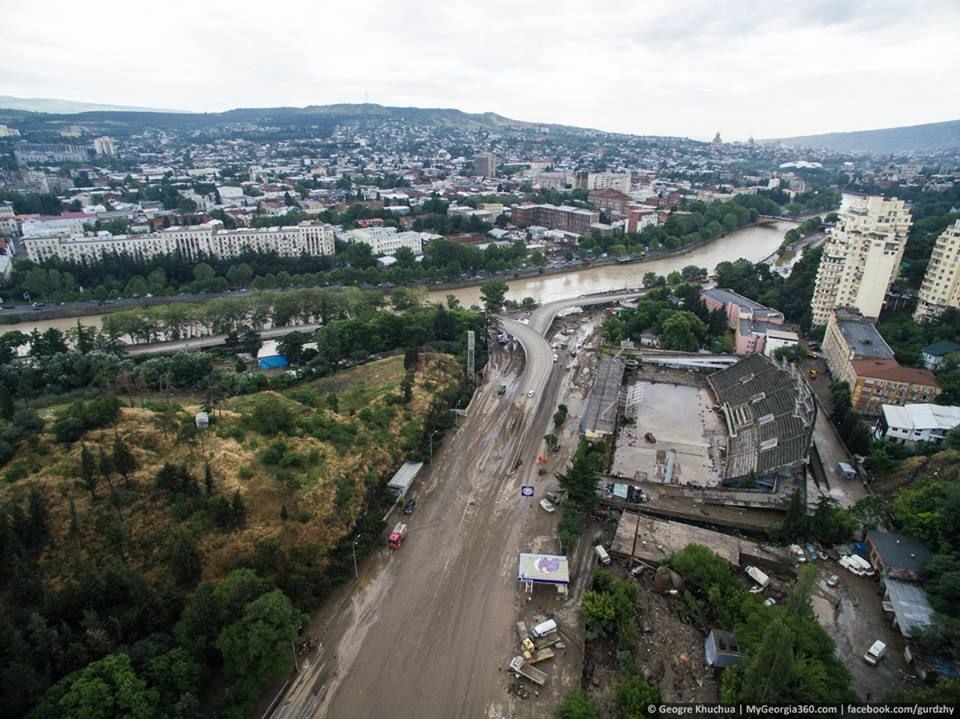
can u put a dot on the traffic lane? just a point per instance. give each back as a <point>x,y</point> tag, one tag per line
<point>543,316</point>
<point>429,645</point>
<point>539,356</point>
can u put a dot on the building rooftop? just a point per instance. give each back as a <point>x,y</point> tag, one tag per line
<point>941,348</point>
<point>729,297</point>
<point>862,337</point>
<point>769,412</point>
<point>921,416</point>
<point>910,605</point>
<point>600,416</point>
<point>892,371</point>
<point>899,553</point>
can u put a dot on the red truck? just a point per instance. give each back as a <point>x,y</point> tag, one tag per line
<point>396,537</point>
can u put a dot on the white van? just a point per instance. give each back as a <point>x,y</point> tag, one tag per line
<point>601,554</point>
<point>543,629</point>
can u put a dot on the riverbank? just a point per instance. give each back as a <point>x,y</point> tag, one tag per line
<point>752,242</point>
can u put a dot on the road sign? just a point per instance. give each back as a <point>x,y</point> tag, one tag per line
<point>526,490</point>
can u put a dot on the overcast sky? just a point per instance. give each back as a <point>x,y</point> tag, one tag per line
<point>681,67</point>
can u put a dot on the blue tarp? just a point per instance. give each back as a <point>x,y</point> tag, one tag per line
<point>272,362</point>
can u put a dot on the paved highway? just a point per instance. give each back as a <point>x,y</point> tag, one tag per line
<point>428,629</point>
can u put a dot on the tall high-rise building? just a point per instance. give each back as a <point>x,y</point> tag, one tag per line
<point>485,164</point>
<point>103,146</point>
<point>941,283</point>
<point>861,257</point>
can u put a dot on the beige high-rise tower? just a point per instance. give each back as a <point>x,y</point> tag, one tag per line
<point>941,283</point>
<point>861,257</point>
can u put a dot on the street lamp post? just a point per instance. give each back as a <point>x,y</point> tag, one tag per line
<point>356,571</point>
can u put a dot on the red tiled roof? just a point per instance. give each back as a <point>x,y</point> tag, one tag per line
<point>892,371</point>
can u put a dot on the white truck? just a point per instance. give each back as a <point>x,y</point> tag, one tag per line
<point>759,577</point>
<point>875,653</point>
<point>601,554</point>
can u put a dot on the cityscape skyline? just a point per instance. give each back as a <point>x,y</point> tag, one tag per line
<point>691,70</point>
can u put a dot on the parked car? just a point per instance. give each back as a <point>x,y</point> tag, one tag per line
<point>833,581</point>
<point>547,505</point>
<point>410,506</point>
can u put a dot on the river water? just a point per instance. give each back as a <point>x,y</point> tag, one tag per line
<point>751,243</point>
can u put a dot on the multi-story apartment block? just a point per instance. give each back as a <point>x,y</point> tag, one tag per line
<point>857,354</point>
<point>585,180</point>
<point>103,146</point>
<point>386,240</point>
<point>28,152</point>
<point>609,200</point>
<point>485,164</point>
<point>556,217</point>
<point>861,257</point>
<point>941,283</point>
<point>206,240</point>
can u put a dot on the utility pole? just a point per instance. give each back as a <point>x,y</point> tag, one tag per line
<point>636,532</point>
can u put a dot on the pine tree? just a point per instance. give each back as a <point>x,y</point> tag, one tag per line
<point>123,460</point>
<point>6,403</point>
<point>88,475</point>
<point>238,509</point>
<point>766,676</point>
<point>208,479</point>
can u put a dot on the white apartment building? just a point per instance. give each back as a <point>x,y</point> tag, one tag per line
<point>206,240</point>
<point>913,423</point>
<point>941,283</point>
<point>103,145</point>
<point>861,257</point>
<point>385,240</point>
<point>68,223</point>
<point>603,181</point>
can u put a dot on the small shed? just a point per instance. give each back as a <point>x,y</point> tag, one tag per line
<point>721,649</point>
<point>401,481</point>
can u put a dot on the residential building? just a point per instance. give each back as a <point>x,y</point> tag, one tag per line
<point>206,240</point>
<point>941,283</point>
<point>913,423</point>
<point>485,164</point>
<point>756,328</point>
<point>640,218</point>
<point>555,217</point>
<point>857,354</point>
<point>67,223</point>
<point>850,336</point>
<point>897,555</point>
<point>103,146</point>
<point>609,200</point>
<point>932,355</point>
<point>551,180</point>
<point>8,220</point>
<point>861,257</point>
<point>386,240</point>
<point>9,131</point>
<point>585,180</point>
<point>879,382</point>
<point>28,153</point>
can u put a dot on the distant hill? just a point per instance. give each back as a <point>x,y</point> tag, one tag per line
<point>913,138</point>
<point>53,106</point>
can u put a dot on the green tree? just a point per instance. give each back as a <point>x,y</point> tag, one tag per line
<point>492,294</point>
<point>576,705</point>
<point>123,460</point>
<point>634,696</point>
<point>256,647</point>
<point>88,472</point>
<point>766,673</point>
<point>105,689</point>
